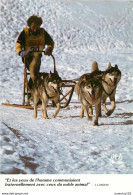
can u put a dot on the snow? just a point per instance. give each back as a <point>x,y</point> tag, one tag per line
<point>83,31</point>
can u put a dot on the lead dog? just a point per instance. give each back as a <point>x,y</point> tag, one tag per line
<point>110,79</point>
<point>89,90</point>
<point>45,89</point>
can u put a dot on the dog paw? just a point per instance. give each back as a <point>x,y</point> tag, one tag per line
<point>89,118</point>
<point>46,117</point>
<point>35,116</point>
<point>95,124</point>
<point>109,113</point>
<point>54,116</point>
<point>81,114</point>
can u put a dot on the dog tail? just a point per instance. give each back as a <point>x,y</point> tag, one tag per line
<point>94,66</point>
<point>76,88</point>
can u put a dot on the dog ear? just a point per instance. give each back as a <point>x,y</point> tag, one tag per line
<point>56,73</point>
<point>50,73</point>
<point>109,66</point>
<point>116,66</point>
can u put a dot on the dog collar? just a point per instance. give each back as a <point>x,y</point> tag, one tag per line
<point>48,94</point>
<point>109,93</point>
<point>86,99</point>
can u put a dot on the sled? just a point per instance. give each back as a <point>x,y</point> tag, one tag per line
<point>65,97</point>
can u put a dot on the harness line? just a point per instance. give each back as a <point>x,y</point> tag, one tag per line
<point>105,90</point>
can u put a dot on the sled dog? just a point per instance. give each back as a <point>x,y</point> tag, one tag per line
<point>46,88</point>
<point>89,91</point>
<point>110,79</point>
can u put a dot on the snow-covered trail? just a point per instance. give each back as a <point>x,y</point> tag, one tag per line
<point>67,144</point>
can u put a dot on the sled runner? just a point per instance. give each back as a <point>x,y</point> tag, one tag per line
<point>65,96</point>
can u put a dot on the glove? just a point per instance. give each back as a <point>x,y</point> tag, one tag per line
<point>24,53</point>
<point>48,51</point>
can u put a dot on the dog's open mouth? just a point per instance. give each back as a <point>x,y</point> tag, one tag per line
<point>92,96</point>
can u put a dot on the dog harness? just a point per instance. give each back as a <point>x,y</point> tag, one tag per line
<point>111,91</point>
<point>34,42</point>
<point>47,93</point>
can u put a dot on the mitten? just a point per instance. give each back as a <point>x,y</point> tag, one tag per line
<point>48,51</point>
<point>24,53</point>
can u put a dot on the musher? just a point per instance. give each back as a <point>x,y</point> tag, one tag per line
<point>33,38</point>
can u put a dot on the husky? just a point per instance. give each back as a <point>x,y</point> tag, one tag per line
<point>89,91</point>
<point>46,88</point>
<point>110,79</point>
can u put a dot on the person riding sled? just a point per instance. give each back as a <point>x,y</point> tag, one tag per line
<point>33,39</point>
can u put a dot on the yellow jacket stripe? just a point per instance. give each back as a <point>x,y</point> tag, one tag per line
<point>28,41</point>
<point>18,48</point>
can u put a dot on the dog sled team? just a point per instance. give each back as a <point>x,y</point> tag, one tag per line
<point>92,88</point>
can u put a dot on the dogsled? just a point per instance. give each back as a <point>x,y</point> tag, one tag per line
<point>65,96</point>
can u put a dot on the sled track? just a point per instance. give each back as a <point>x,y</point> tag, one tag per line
<point>31,106</point>
<point>17,133</point>
<point>28,161</point>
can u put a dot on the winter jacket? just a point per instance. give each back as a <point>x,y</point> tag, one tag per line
<point>28,41</point>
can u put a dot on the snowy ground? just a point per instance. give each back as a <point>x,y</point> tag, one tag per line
<point>66,144</point>
<point>83,31</point>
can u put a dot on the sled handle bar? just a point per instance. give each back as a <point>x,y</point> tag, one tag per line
<point>50,55</point>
